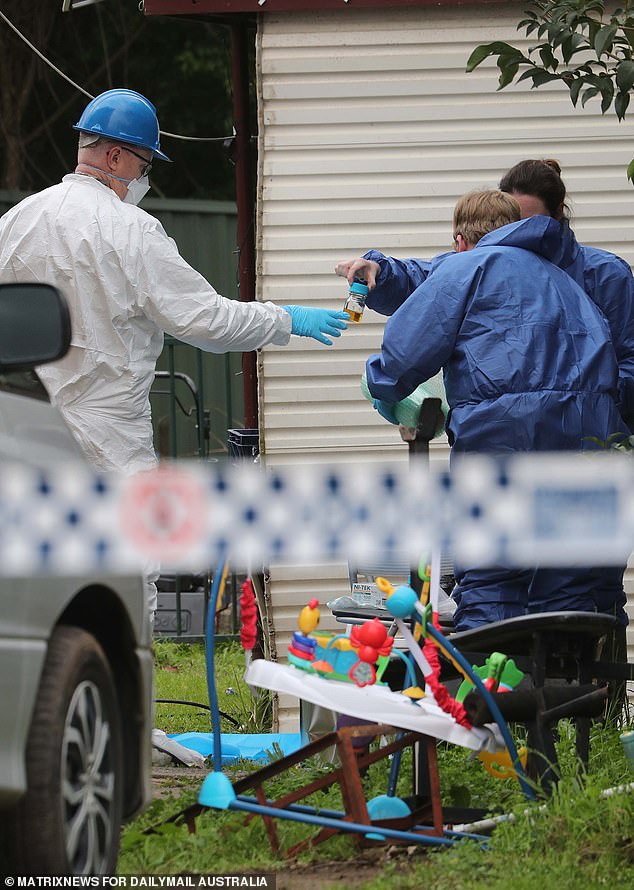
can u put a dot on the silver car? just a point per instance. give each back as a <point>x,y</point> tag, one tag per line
<point>75,652</point>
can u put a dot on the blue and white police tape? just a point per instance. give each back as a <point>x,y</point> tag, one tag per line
<point>547,509</point>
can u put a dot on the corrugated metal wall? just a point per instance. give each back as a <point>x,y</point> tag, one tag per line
<point>369,131</point>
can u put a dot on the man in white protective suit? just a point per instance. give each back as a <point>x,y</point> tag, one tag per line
<point>126,284</point>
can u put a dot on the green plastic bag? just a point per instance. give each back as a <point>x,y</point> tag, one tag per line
<point>407,410</point>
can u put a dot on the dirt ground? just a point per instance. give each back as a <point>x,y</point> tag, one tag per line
<point>170,781</point>
<point>323,875</point>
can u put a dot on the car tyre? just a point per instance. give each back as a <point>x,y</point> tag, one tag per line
<point>69,821</point>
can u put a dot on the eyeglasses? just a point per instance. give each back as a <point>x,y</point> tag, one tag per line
<point>145,170</point>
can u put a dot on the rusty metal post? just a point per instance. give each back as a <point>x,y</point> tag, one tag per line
<point>245,203</point>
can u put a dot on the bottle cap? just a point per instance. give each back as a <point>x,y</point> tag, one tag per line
<point>358,287</point>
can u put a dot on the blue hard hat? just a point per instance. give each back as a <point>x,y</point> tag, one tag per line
<point>123,115</point>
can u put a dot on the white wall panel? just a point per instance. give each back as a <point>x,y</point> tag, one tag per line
<point>369,130</point>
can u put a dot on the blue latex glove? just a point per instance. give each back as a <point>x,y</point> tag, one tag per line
<point>385,410</point>
<point>316,323</point>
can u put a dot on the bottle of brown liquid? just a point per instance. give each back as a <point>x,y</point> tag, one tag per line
<point>355,303</point>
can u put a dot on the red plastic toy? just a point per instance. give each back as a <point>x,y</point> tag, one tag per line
<point>370,640</point>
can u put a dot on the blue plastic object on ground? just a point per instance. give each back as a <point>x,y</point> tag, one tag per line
<point>217,791</point>
<point>245,746</point>
<point>386,807</point>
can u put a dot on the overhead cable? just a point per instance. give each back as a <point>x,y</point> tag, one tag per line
<point>43,58</point>
<point>90,96</point>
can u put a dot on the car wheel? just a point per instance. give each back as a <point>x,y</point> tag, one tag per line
<point>69,821</point>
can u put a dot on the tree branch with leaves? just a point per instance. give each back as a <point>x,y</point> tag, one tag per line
<point>579,44</point>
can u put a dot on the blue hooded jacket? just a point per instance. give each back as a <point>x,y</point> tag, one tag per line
<point>528,359</point>
<point>396,280</point>
<point>608,280</point>
<point>605,277</point>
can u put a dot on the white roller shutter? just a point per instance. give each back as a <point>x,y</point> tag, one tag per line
<point>369,130</point>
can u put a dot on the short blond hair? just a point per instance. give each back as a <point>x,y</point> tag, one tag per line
<point>478,213</point>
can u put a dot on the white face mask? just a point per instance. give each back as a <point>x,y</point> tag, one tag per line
<point>137,189</point>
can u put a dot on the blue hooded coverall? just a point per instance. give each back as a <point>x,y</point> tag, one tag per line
<point>605,277</point>
<point>529,366</point>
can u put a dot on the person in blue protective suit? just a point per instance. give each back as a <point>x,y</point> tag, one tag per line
<point>606,278</point>
<point>528,365</point>
<point>538,188</point>
<point>126,285</point>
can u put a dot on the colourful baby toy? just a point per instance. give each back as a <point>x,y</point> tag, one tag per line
<point>370,640</point>
<point>303,645</point>
<point>360,657</point>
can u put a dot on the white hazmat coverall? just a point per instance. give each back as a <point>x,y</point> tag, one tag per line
<point>126,284</point>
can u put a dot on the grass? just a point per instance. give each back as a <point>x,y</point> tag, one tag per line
<point>577,840</point>
<point>180,674</point>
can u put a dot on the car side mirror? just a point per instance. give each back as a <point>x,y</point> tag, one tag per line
<point>34,326</point>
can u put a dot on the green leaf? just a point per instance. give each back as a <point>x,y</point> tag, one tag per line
<point>630,171</point>
<point>595,80</point>
<point>590,93</point>
<point>508,70</point>
<point>557,34</point>
<point>482,52</point>
<point>625,75</point>
<point>540,77</point>
<point>573,44</point>
<point>593,30</point>
<point>604,38</point>
<point>620,104</point>
<point>607,94</point>
<point>528,74</point>
<point>575,89</point>
<point>579,42</point>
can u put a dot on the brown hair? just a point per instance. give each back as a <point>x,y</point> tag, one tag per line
<point>541,179</point>
<point>478,213</point>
